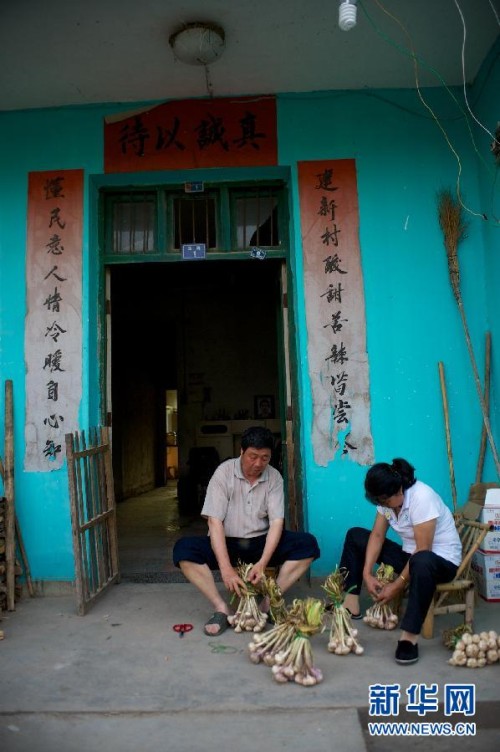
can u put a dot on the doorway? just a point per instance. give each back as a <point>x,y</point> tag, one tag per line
<point>196,356</point>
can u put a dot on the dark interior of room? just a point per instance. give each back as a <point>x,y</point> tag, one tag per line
<point>206,331</point>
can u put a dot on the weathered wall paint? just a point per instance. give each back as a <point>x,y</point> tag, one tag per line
<point>412,321</point>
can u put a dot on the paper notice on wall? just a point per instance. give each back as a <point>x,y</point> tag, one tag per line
<point>53,330</point>
<point>335,312</point>
<point>193,133</point>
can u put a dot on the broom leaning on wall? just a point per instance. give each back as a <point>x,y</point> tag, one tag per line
<point>453,226</point>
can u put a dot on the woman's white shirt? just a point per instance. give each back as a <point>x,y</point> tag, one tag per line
<point>421,504</point>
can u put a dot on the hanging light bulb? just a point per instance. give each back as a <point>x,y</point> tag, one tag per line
<point>347,14</point>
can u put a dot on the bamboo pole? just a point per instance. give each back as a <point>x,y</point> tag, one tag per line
<point>479,389</point>
<point>10,515</point>
<point>20,542</point>
<point>453,227</point>
<point>27,572</point>
<point>448,435</point>
<point>487,379</point>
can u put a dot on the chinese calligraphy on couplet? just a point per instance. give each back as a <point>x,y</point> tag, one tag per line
<point>53,334</point>
<point>335,311</point>
<point>193,133</point>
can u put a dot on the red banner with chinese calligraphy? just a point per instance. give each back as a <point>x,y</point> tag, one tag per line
<point>194,133</point>
<point>335,311</point>
<point>53,333</point>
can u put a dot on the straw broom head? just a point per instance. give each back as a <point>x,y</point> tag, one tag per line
<point>453,226</point>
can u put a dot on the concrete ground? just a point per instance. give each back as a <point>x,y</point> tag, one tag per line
<point>120,679</point>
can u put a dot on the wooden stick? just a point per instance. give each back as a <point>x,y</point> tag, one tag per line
<point>10,516</point>
<point>479,388</point>
<point>487,379</point>
<point>20,542</point>
<point>448,435</point>
<point>27,572</point>
<point>453,227</point>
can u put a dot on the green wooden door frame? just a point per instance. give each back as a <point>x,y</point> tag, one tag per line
<point>290,414</point>
<point>287,362</point>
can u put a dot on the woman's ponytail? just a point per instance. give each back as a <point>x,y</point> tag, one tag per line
<point>405,471</point>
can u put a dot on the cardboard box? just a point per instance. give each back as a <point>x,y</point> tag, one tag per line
<point>477,499</point>
<point>486,572</point>
<point>491,543</point>
<point>492,498</point>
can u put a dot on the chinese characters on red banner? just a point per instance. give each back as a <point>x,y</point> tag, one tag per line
<point>53,335</point>
<point>335,311</point>
<point>193,133</point>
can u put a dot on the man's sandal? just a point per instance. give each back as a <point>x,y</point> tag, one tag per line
<point>220,619</point>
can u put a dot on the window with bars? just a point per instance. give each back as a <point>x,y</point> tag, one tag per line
<point>226,218</point>
<point>194,221</point>
<point>133,226</point>
<point>256,218</point>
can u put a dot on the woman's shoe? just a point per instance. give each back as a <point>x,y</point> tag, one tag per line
<point>355,617</point>
<point>406,652</point>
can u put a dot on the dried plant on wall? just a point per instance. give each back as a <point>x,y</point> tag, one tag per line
<point>453,226</point>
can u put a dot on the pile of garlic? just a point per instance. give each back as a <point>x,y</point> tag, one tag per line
<point>476,650</point>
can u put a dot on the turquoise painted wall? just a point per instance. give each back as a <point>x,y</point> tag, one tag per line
<point>38,140</point>
<point>485,103</point>
<point>412,318</point>
<point>412,321</point>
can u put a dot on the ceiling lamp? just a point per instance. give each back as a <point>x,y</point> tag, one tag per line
<point>198,43</point>
<point>347,14</point>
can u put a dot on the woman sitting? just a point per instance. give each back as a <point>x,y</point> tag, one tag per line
<point>430,553</point>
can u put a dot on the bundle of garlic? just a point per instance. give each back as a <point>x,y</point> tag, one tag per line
<point>342,635</point>
<point>247,617</point>
<point>277,605</point>
<point>452,636</point>
<point>295,661</point>
<point>264,647</point>
<point>381,615</point>
<point>476,650</point>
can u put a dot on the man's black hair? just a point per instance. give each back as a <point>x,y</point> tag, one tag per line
<point>257,437</point>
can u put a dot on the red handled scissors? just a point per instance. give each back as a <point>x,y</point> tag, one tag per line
<point>181,629</point>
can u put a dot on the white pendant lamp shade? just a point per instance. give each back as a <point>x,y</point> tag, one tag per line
<point>198,43</point>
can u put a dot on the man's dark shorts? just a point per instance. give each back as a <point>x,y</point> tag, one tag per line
<point>292,547</point>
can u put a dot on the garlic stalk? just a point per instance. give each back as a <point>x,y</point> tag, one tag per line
<point>277,605</point>
<point>295,662</point>
<point>381,615</point>
<point>287,646</point>
<point>342,634</point>
<point>265,646</point>
<point>247,617</point>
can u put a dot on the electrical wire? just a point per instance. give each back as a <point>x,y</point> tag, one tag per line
<point>463,74</point>
<point>495,12</point>
<point>208,82</point>
<point>415,59</point>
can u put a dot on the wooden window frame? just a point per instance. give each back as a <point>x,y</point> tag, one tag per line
<point>164,229</point>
